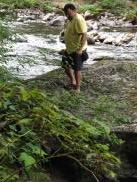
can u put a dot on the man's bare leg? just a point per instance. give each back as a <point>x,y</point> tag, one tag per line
<point>78,77</point>
<point>70,74</point>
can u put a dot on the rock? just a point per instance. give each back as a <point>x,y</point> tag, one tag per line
<point>88,15</point>
<point>89,25</point>
<point>101,37</point>
<point>92,25</point>
<point>126,128</point>
<point>124,38</point>
<point>93,33</point>
<point>48,16</point>
<point>90,40</point>
<point>95,26</point>
<point>26,18</point>
<point>59,21</point>
<point>92,37</point>
<point>127,151</point>
<point>20,19</point>
<point>32,17</point>
<point>108,15</point>
<point>61,36</point>
<point>3,11</point>
<point>127,37</point>
<point>133,42</point>
<point>89,28</point>
<point>134,22</point>
<point>109,40</point>
<point>19,38</point>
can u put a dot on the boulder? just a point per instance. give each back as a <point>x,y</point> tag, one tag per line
<point>88,15</point>
<point>58,21</point>
<point>90,40</point>
<point>48,17</point>
<point>109,40</point>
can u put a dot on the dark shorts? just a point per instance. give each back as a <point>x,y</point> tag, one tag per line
<point>74,60</point>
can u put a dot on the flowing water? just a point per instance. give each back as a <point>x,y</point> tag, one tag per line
<point>35,49</point>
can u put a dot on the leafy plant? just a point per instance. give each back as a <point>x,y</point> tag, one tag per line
<point>21,4</point>
<point>131,14</point>
<point>4,32</point>
<point>94,8</point>
<point>28,118</point>
<point>48,7</point>
<point>115,6</point>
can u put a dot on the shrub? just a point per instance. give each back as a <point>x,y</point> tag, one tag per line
<point>131,14</point>
<point>4,32</point>
<point>28,119</point>
<point>114,6</point>
<point>21,3</point>
<point>48,7</point>
<point>95,9</point>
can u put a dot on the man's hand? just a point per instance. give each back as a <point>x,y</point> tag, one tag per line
<point>79,52</point>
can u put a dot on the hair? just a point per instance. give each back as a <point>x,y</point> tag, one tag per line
<point>69,6</point>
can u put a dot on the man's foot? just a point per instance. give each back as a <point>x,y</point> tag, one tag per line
<point>70,87</point>
<point>77,90</point>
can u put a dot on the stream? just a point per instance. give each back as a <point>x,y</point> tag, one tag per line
<point>34,48</point>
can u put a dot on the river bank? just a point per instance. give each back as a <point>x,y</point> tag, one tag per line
<point>41,122</point>
<point>108,94</point>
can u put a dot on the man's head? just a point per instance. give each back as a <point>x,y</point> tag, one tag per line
<point>69,10</point>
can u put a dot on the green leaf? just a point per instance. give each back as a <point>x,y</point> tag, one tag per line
<point>12,107</point>
<point>28,160</point>
<point>24,94</point>
<point>37,150</point>
<point>25,121</point>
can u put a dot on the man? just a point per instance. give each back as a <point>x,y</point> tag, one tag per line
<point>75,37</point>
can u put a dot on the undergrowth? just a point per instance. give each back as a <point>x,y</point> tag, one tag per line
<point>29,120</point>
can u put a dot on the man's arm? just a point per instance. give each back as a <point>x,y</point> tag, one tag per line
<point>83,42</point>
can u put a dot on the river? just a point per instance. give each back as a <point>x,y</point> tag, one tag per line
<point>34,48</point>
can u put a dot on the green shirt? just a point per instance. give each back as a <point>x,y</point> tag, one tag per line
<point>72,33</point>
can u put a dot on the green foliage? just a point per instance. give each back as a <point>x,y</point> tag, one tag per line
<point>115,6</point>
<point>21,4</point>
<point>94,8</point>
<point>48,7</point>
<point>27,159</point>
<point>28,118</point>
<point>108,110</point>
<point>4,36</point>
<point>131,14</point>
<point>4,32</point>
<point>103,108</point>
<point>5,75</point>
<point>5,171</point>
